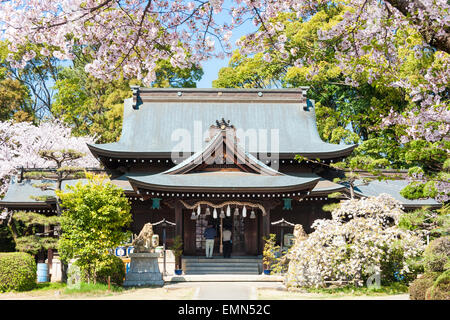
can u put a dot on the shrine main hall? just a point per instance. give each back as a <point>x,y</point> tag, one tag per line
<point>224,157</point>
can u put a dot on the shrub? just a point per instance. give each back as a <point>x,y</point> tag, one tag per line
<point>110,266</point>
<point>17,271</point>
<point>270,249</point>
<point>177,249</point>
<point>92,222</point>
<point>440,290</point>
<point>419,287</point>
<point>436,255</point>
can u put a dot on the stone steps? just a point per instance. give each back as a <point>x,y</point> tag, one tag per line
<point>225,265</point>
<point>217,265</point>
<point>222,261</point>
<point>222,272</point>
<point>223,278</point>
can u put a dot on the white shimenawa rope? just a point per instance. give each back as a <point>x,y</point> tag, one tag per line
<point>223,204</point>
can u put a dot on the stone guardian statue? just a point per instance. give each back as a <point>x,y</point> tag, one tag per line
<point>144,268</point>
<point>143,242</point>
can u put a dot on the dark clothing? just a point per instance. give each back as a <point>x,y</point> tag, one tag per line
<point>227,249</point>
<point>210,233</point>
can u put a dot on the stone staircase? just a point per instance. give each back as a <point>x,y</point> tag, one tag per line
<point>249,265</point>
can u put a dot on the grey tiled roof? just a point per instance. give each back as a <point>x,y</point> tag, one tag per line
<point>155,127</point>
<point>22,192</point>
<point>393,188</point>
<point>325,186</point>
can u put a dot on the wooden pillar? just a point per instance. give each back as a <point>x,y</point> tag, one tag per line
<point>179,227</point>
<point>179,220</point>
<point>50,258</point>
<point>266,223</point>
<point>265,226</point>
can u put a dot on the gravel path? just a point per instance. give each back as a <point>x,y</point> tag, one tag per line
<point>202,291</point>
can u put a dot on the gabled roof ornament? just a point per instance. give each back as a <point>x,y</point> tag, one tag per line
<point>223,124</point>
<point>308,106</point>
<point>136,98</point>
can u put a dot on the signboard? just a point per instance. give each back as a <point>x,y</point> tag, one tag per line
<point>288,239</point>
<point>121,252</point>
<point>130,249</point>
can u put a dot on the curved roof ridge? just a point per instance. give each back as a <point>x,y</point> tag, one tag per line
<point>221,137</point>
<point>194,156</point>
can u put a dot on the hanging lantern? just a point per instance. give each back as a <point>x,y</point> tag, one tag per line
<point>208,212</point>
<point>199,210</point>
<point>215,213</point>
<point>228,211</point>
<point>252,215</point>
<point>193,216</point>
<point>236,211</point>
<point>222,214</point>
<point>244,212</point>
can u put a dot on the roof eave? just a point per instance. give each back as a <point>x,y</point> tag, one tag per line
<point>18,204</point>
<point>300,187</point>
<point>325,192</point>
<point>322,155</point>
<point>98,151</point>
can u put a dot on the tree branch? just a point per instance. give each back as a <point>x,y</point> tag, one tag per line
<point>440,42</point>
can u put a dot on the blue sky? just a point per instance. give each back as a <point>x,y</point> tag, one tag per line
<point>211,68</point>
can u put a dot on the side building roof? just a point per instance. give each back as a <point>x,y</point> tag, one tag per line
<point>22,194</point>
<point>393,188</point>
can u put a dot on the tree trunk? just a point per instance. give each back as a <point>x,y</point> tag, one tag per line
<point>58,207</point>
<point>64,267</point>
<point>12,227</point>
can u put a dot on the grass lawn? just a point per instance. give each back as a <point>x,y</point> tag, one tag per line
<point>57,290</point>
<point>335,293</point>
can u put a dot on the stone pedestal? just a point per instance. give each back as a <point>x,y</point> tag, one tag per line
<point>144,270</point>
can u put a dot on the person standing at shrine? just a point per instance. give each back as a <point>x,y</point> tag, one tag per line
<point>209,234</point>
<point>226,235</point>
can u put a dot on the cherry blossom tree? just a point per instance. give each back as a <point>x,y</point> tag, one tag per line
<point>133,35</point>
<point>22,142</point>
<point>129,37</point>
<point>362,241</point>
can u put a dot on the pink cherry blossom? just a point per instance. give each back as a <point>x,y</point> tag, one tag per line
<point>21,142</point>
<point>131,36</point>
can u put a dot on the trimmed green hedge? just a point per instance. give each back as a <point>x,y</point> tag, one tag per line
<point>17,271</point>
<point>437,255</point>
<point>440,289</point>
<point>419,287</point>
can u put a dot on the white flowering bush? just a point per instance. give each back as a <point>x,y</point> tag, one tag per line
<point>360,241</point>
<point>20,143</point>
